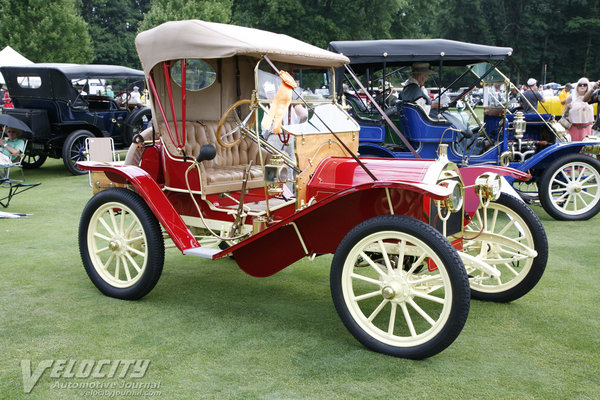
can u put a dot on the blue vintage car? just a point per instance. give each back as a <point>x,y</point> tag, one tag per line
<point>565,174</point>
<point>64,104</point>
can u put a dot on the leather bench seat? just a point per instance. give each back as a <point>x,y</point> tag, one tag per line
<point>226,171</point>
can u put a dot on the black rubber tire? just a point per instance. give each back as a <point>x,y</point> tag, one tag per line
<point>451,266</point>
<point>544,187</point>
<point>134,124</point>
<point>538,266</point>
<point>119,199</point>
<point>74,150</point>
<point>33,160</point>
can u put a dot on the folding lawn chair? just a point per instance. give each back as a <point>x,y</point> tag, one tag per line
<point>14,186</point>
<point>100,149</point>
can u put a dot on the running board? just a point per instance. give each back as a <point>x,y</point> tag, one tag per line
<point>204,252</point>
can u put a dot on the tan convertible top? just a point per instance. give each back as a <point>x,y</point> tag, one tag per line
<point>201,39</point>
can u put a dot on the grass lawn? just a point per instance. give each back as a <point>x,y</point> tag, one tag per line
<point>212,332</point>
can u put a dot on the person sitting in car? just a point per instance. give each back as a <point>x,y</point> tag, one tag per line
<point>415,92</point>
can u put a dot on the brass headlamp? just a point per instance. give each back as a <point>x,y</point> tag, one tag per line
<point>519,125</point>
<point>453,202</point>
<point>488,186</point>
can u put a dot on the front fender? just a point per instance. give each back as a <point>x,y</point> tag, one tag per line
<point>549,154</point>
<point>470,174</point>
<point>152,194</point>
<point>320,227</point>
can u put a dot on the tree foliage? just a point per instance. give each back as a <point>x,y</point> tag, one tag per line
<point>553,40</point>
<point>45,30</point>
<point>113,25</point>
<point>321,21</point>
<point>176,10</point>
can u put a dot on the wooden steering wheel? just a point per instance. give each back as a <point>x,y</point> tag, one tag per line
<point>242,123</point>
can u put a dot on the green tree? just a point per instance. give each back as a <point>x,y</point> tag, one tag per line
<point>321,21</point>
<point>177,10</point>
<point>45,30</point>
<point>553,40</point>
<point>113,25</point>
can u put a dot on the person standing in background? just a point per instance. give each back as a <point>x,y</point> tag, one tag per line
<point>579,112</point>
<point>593,96</point>
<point>565,93</point>
<point>531,97</point>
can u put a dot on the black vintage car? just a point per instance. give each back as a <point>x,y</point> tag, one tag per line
<point>64,104</point>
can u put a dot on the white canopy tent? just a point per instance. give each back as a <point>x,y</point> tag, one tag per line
<point>9,56</point>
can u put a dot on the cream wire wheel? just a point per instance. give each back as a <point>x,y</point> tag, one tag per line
<point>399,287</point>
<point>570,188</point>
<point>512,219</point>
<point>121,244</point>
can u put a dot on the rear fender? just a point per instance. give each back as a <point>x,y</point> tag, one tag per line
<point>320,227</point>
<point>147,187</point>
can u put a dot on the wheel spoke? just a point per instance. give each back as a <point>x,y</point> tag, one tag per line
<point>126,268</point>
<point>386,258</point>
<point>371,263</point>
<point>479,219</point>
<point>101,250</point>
<point>428,278</point>
<point>591,176</point>
<point>507,227</point>
<point>392,319</point>
<point>578,196</point>
<point>569,197</point>
<point>105,265</point>
<point>421,311</point>
<point>105,224</point>
<point>136,251</point>
<point>559,190</point>
<point>584,188</point>
<point>408,319</point>
<point>580,173</point>
<point>377,310</point>
<point>135,239</point>
<point>511,269</point>
<point>101,236</point>
<point>492,225</point>
<point>113,220</point>
<point>130,228</point>
<point>122,225</point>
<point>117,267</point>
<point>133,263</point>
<point>418,262</point>
<point>366,279</point>
<point>367,295</point>
<point>429,297</point>
<point>567,177</point>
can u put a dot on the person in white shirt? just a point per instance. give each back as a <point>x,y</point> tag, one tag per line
<point>136,97</point>
<point>414,91</point>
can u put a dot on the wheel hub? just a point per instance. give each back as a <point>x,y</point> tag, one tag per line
<point>117,245</point>
<point>576,188</point>
<point>396,290</point>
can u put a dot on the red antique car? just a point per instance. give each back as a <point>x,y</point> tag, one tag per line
<point>242,163</point>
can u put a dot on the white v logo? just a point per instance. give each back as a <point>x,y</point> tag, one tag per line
<point>29,379</point>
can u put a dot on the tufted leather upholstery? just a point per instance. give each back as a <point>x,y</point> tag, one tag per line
<point>226,171</point>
